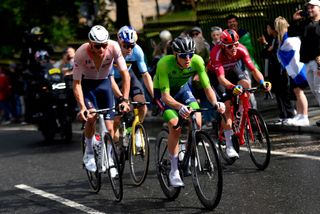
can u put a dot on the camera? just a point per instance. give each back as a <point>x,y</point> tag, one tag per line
<point>304,13</point>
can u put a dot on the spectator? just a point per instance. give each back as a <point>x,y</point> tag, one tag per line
<point>289,57</point>
<point>276,74</point>
<point>215,36</point>
<point>5,90</point>
<point>308,28</point>
<point>202,46</point>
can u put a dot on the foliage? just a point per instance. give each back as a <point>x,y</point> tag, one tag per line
<point>61,30</point>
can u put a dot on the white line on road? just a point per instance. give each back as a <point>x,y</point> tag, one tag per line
<point>311,157</point>
<point>58,199</point>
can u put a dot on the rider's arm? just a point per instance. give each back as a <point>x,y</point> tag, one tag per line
<point>78,94</point>
<point>123,70</point>
<point>148,82</point>
<point>115,87</point>
<point>249,64</point>
<point>170,101</point>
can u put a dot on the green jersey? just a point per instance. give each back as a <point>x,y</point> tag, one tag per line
<point>169,77</point>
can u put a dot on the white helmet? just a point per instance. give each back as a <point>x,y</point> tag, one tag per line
<point>98,34</point>
<point>127,34</point>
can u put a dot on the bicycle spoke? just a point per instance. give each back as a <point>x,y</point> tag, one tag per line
<point>257,139</point>
<point>139,156</point>
<point>207,171</point>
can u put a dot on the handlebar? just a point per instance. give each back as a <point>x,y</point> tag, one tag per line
<point>181,120</point>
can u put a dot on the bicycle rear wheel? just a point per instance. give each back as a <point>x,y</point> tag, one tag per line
<point>139,160</point>
<point>258,143</point>
<point>206,171</point>
<point>163,166</point>
<point>113,163</point>
<point>94,178</point>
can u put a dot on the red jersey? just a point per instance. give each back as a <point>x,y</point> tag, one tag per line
<point>219,62</point>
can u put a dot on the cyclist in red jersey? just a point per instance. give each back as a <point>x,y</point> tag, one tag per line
<point>223,70</point>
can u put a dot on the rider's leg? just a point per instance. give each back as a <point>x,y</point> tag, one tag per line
<point>228,132</point>
<point>89,131</point>
<point>142,109</point>
<point>173,148</point>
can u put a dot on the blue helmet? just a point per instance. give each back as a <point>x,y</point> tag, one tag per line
<point>127,34</point>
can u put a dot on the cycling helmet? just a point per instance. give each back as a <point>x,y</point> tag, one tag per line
<point>165,35</point>
<point>98,34</point>
<point>41,55</point>
<point>229,36</point>
<point>183,44</point>
<point>127,34</point>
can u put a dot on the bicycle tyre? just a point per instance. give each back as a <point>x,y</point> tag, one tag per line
<point>222,144</point>
<point>116,182</point>
<point>94,178</point>
<point>260,147</point>
<point>163,166</point>
<point>206,171</point>
<point>139,163</point>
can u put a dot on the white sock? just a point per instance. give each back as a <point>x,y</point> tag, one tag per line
<point>109,149</point>
<point>228,135</point>
<point>174,162</point>
<point>88,142</point>
<point>304,117</point>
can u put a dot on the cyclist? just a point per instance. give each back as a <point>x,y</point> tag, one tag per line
<point>223,70</point>
<point>134,57</point>
<point>171,86</point>
<point>92,84</point>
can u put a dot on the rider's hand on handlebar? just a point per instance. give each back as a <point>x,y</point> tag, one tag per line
<point>266,85</point>
<point>237,90</point>
<point>221,107</point>
<point>185,111</point>
<point>124,107</point>
<point>83,115</point>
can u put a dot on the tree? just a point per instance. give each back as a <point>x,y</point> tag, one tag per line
<point>122,13</point>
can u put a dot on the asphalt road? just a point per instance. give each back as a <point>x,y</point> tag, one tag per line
<point>48,178</point>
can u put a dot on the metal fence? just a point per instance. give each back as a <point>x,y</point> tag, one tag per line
<point>252,15</point>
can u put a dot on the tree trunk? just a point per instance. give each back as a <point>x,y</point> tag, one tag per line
<point>122,13</point>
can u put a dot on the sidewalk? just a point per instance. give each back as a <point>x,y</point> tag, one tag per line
<point>269,110</point>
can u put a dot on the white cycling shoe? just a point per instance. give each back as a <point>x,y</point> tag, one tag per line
<point>113,170</point>
<point>231,152</point>
<point>89,161</point>
<point>175,179</point>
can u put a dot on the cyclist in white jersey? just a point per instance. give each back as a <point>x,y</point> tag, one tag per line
<point>92,84</point>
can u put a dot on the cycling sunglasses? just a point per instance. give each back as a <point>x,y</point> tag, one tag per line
<point>185,55</point>
<point>98,46</point>
<point>127,46</point>
<point>230,46</point>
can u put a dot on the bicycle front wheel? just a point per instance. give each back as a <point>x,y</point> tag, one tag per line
<point>206,171</point>
<point>139,155</point>
<point>94,178</point>
<point>113,167</point>
<point>163,166</point>
<point>257,140</point>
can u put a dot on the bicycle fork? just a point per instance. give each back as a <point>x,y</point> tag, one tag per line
<point>134,123</point>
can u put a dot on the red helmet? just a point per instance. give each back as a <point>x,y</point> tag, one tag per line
<point>229,36</point>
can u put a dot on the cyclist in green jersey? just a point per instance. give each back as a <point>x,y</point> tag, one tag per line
<point>171,87</point>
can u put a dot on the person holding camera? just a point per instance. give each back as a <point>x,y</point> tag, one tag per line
<point>308,26</point>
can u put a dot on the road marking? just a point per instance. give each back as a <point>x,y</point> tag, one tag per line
<point>311,157</point>
<point>59,199</point>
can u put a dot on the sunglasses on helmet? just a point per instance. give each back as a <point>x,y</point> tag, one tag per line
<point>230,46</point>
<point>98,46</point>
<point>185,55</point>
<point>128,45</point>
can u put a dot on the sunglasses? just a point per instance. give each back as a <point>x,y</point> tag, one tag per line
<point>98,46</point>
<point>127,46</point>
<point>230,46</point>
<point>195,34</point>
<point>185,55</point>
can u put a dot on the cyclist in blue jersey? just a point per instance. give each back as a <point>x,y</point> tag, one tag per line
<point>134,57</point>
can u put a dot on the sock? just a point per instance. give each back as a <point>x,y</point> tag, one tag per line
<point>109,149</point>
<point>88,142</point>
<point>174,162</point>
<point>228,135</point>
<point>303,116</point>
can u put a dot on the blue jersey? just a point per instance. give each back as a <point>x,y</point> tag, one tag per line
<point>135,62</point>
